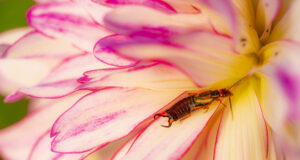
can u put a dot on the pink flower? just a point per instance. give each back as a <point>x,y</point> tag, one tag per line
<point>99,70</point>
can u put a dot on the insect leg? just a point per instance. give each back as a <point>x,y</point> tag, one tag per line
<point>171,120</point>
<point>229,104</point>
<point>161,115</point>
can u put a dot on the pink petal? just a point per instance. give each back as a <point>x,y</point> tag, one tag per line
<point>245,135</point>
<point>156,24</point>
<point>204,64</point>
<point>157,142</point>
<point>105,116</point>
<point>155,77</point>
<point>156,4</point>
<point>35,45</point>
<point>17,140</point>
<point>66,20</point>
<point>63,79</point>
<point>42,150</point>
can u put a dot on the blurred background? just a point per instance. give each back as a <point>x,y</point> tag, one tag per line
<point>12,15</point>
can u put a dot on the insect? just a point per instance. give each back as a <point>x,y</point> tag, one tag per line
<point>197,101</point>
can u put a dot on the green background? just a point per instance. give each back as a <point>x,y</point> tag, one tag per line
<point>12,15</point>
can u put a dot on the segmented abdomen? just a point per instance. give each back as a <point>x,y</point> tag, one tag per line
<point>181,108</point>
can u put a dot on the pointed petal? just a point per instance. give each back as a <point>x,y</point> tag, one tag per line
<point>17,140</point>
<point>42,150</point>
<point>34,44</point>
<point>204,64</point>
<point>105,116</point>
<point>266,12</point>
<point>63,79</point>
<point>237,136</point>
<point>66,20</point>
<point>157,142</point>
<point>157,77</point>
<point>156,24</point>
<point>288,26</point>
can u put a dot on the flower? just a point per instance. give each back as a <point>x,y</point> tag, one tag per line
<point>140,57</point>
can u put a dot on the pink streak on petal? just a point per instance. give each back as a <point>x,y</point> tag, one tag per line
<point>156,4</point>
<point>120,112</point>
<point>66,20</point>
<point>289,83</point>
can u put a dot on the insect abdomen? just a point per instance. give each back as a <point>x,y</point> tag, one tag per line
<point>181,108</point>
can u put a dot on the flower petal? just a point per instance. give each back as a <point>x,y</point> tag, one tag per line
<point>24,72</point>
<point>63,79</point>
<point>66,20</point>
<point>204,64</point>
<point>288,26</point>
<point>266,12</point>
<point>17,140</point>
<point>157,77</point>
<point>156,4</point>
<point>120,112</point>
<point>238,135</point>
<point>95,10</point>
<point>156,23</point>
<point>10,36</point>
<point>42,150</point>
<point>34,44</point>
<point>155,141</point>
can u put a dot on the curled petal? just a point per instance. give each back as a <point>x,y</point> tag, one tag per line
<point>17,140</point>
<point>155,77</point>
<point>247,128</point>
<point>155,141</point>
<point>105,116</point>
<point>66,20</point>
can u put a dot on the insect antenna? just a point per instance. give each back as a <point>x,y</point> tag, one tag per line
<point>231,107</point>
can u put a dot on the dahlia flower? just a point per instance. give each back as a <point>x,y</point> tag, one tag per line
<point>97,71</point>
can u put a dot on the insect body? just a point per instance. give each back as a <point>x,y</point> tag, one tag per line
<point>185,106</point>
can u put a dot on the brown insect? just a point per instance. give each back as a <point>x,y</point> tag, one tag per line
<point>197,101</point>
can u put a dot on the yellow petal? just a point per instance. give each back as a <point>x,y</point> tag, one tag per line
<point>245,135</point>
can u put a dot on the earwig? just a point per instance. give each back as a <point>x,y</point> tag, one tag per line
<point>197,101</point>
